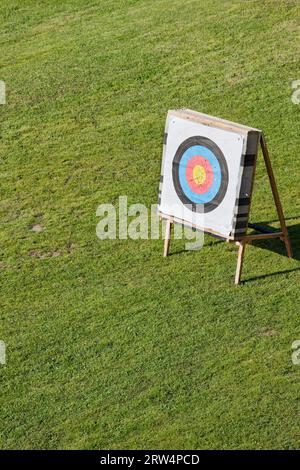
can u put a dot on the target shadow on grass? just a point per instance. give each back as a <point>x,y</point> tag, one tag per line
<point>277,246</point>
<point>265,276</point>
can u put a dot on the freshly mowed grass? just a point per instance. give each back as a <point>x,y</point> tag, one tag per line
<point>108,344</point>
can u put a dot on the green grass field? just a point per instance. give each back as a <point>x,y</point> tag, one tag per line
<point>108,344</point>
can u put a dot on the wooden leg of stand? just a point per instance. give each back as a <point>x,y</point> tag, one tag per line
<point>167,238</point>
<point>284,230</point>
<point>288,245</point>
<point>241,253</point>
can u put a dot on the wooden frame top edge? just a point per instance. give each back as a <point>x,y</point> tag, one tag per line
<point>212,121</point>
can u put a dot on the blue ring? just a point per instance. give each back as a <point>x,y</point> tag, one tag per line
<point>217,176</point>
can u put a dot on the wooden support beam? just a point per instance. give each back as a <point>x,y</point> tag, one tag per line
<point>276,196</point>
<point>261,236</point>
<point>167,238</point>
<point>239,267</point>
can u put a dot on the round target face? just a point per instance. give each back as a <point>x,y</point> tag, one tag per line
<point>200,174</point>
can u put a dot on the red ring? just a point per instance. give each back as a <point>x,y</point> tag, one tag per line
<point>204,187</point>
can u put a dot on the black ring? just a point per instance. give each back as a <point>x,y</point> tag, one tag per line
<point>205,142</point>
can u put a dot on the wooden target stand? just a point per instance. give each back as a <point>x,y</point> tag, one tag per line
<point>263,234</point>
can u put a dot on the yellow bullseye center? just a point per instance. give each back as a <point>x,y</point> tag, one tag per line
<point>199,174</point>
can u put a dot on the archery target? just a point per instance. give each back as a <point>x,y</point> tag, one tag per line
<point>202,174</point>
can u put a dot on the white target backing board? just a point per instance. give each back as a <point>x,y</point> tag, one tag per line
<point>207,173</point>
